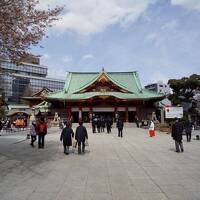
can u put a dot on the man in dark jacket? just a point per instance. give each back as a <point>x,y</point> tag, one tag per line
<point>102,124</point>
<point>1,126</point>
<point>188,130</point>
<point>177,130</point>
<point>120,126</point>
<point>94,124</point>
<point>81,135</point>
<point>108,124</point>
<point>98,124</point>
<point>66,136</point>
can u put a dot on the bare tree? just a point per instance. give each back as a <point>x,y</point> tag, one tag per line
<point>22,25</point>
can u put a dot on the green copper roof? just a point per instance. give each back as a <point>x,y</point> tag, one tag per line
<point>77,81</point>
<point>140,96</point>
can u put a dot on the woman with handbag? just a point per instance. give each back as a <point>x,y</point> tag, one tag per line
<point>66,136</point>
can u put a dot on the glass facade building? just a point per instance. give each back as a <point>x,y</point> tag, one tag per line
<point>16,80</point>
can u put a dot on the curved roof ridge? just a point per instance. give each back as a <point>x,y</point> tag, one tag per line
<point>119,84</point>
<point>137,81</point>
<point>89,83</point>
<point>96,78</point>
<point>67,83</point>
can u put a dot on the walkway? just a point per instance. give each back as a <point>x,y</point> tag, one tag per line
<point>135,167</point>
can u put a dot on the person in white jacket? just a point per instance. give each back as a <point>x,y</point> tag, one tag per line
<point>152,129</point>
<point>33,133</point>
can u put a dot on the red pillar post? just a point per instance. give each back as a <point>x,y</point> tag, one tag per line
<point>126,115</point>
<point>91,114</point>
<point>116,114</point>
<point>69,112</point>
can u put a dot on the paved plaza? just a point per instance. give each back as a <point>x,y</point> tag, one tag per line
<point>135,167</point>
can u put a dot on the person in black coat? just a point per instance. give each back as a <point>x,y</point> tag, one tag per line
<point>94,123</point>
<point>120,126</point>
<point>98,124</point>
<point>188,130</point>
<point>177,131</point>
<point>80,136</point>
<point>102,124</point>
<point>66,136</point>
<point>1,126</point>
<point>108,124</point>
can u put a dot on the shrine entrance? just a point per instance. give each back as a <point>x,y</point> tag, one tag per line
<point>105,115</point>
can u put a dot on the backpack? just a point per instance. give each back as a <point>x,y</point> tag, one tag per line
<point>42,128</point>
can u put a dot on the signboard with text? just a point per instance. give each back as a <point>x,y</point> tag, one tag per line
<point>173,112</point>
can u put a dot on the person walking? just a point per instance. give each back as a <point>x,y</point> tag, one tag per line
<point>33,133</point>
<point>94,124</point>
<point>152,129</point>
<point>80,136</point>
<point>188,130</point>
<point>41,129</point>
<point>137,121</point>
<point>108,124</point>
<point>66,136</point>
<point>102,124</point>
<point>1,126</point>
<point>98,124</point>
<point>120,126</point>
<point>177,131</point>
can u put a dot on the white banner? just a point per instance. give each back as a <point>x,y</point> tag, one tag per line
<point>173,112</point>
<point>121,109</point>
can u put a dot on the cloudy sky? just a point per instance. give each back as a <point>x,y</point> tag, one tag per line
<point>158,38</point>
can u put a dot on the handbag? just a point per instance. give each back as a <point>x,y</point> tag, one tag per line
<point>74,144</point>
<point>86,143</point>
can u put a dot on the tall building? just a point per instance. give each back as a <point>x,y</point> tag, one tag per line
<point>159,87</point>
<point>18,80</point>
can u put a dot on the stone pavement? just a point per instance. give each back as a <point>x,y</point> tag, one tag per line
<point>135,167</point>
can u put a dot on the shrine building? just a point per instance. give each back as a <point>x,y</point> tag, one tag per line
<point>104,94</point>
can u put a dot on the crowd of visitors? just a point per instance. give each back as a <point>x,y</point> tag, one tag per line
<point>99,125</point>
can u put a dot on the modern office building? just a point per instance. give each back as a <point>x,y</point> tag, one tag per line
<point>159,87</point>
<point>18,80</point>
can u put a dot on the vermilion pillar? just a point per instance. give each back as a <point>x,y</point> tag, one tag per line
<point>69,112</point>
<point>90,114</point>
<point>126,114</point>
<point>116,114</point>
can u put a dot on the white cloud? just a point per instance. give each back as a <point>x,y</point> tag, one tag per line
<point>45,56</point>
<point>169,25</point>
<point>87,17</point>
<point>57,73</point>
<point>190,4</point>
<point>67,59</point>
<point>152,36</point>
<point>87,56</point>
<point>158,76</point>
